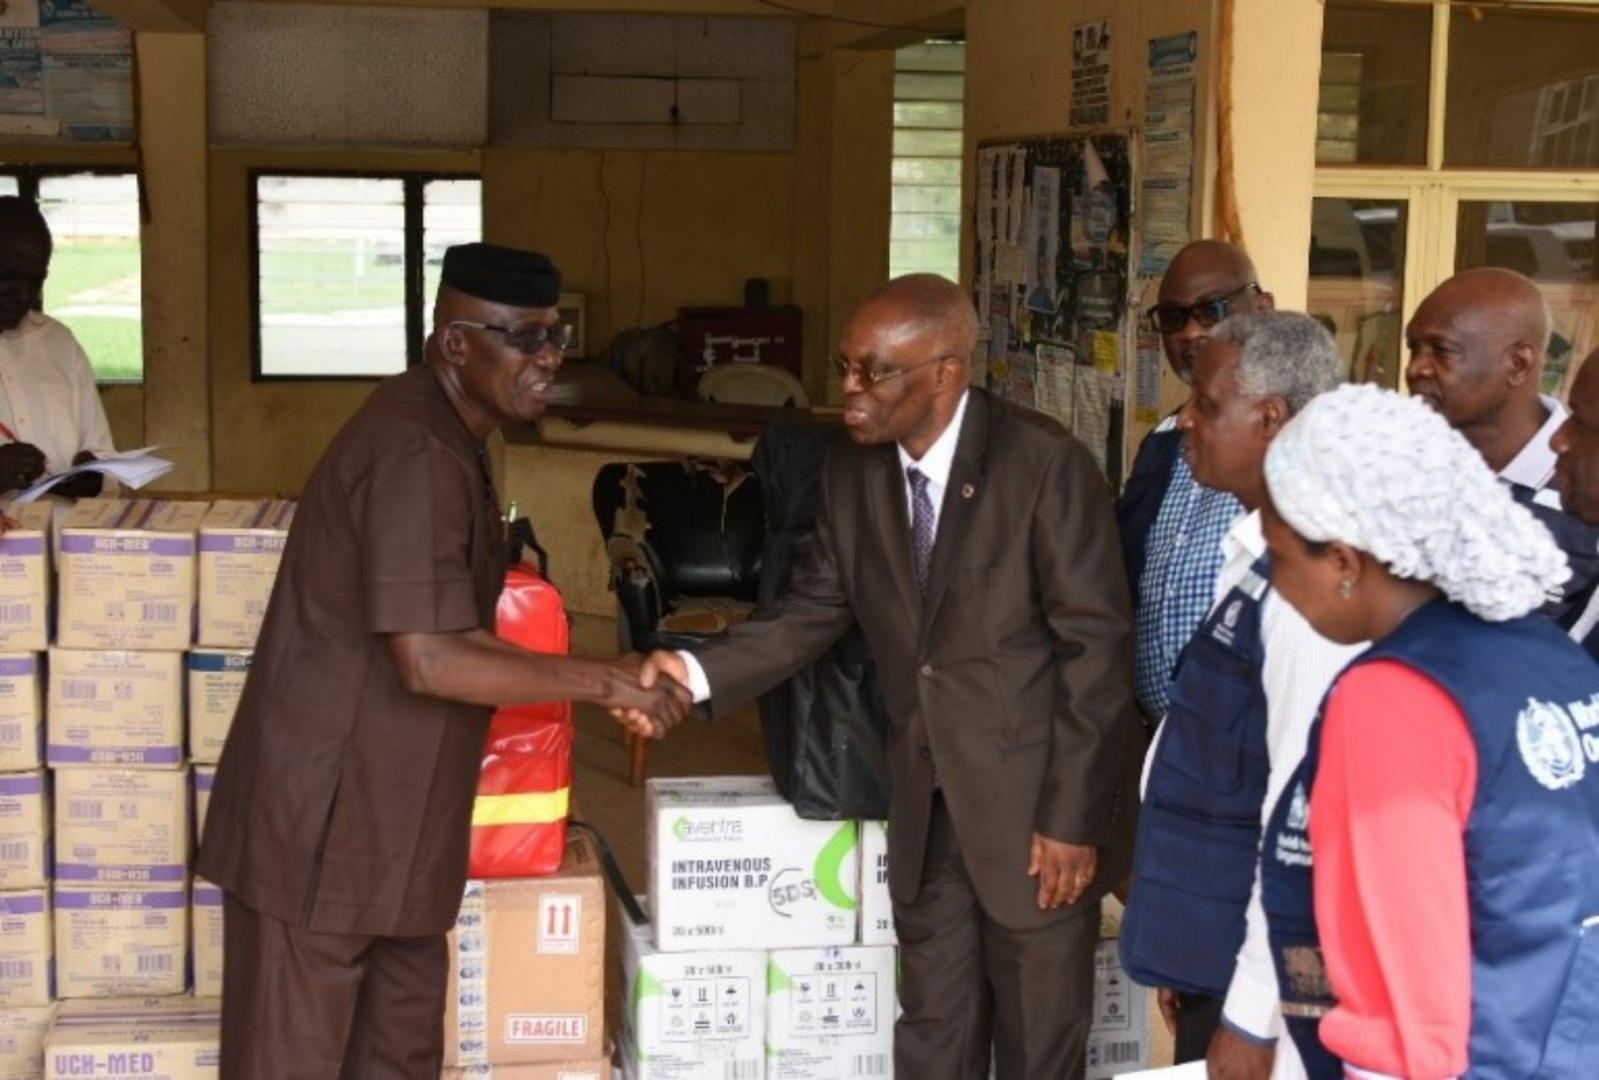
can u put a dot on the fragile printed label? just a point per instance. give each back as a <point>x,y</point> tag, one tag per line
<point>571,1028</point>
<point>1118,1038</point>
<point>830,1012</point>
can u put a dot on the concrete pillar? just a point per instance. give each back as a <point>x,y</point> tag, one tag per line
<point>177,397</point>
<point>1276,72</point>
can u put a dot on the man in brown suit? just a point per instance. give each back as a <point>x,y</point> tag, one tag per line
<point>975,545</point>
<point>338,826</point>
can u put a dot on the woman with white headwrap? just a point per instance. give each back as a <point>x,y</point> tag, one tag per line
<point>1449,799</point>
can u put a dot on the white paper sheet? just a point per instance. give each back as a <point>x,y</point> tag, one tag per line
<point>131,468</point>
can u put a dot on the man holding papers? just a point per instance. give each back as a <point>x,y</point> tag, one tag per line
<point>50,413</point>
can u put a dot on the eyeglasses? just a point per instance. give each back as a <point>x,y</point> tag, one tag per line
<point>876,376</point>
<point>1171,318</point>
<point>527,339</point>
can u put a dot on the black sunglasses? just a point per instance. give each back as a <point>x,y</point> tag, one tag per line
<point>1171,318</point>
<point>528,339</point>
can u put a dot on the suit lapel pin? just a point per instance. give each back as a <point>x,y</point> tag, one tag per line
<point>968,491</point>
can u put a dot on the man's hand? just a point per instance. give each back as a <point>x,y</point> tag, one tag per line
<point>648,710</point>
<point>20,465</point>
<point>1234,1058</point>
<point>1166,999</point>
<point>663,662</point>
<point>1063,870</point>
<point>83,486</point>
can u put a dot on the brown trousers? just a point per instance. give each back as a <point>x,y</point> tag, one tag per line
<point>299,1005</point>
<point>969,984</point>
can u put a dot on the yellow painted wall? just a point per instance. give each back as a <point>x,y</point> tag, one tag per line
<point>642,233</point>
<point>268,436</point>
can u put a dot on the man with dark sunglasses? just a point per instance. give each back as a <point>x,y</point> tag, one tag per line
<point>51,417</point>
<point>339,820</point>
<point>1172,526</point>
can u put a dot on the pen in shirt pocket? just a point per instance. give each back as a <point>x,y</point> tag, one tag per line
<point>10,436</point>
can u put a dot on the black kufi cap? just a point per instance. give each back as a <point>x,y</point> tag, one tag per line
<point>502,275</point>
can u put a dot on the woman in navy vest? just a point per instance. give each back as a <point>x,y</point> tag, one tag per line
<point>1431,873</point>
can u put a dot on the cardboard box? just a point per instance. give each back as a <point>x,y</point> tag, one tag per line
<point>598,1068</point>
<point>27,949</point>
<point>241,545</point>
<point>115,707</point>
<point>830,1012</point>
<point>25,578</point>
<point>527,968</point>
<point>692,1015</point>
<point>122,825</point>
<point>205,936</point>
<point>1119,1036</point>
<point>21,712</point>
<point>204,777</point>
<point>120,940</point>
<point>22,1033</point>
<point>731,866</point>
<point>152,1038</point>
<point>127,574</point>
<point>877,906</point>
<point>24,830</point>
<point>216,681</point>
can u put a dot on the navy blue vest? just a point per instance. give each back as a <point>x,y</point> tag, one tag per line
<point>1580,542</point>
<point>1199,828</point>
<point>1531,698</point>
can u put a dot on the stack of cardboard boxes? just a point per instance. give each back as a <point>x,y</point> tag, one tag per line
<point>770,950</point>
<point>752,964</point>
<point>241,546</point>
<point>27,970</point>
<point>95,852</point>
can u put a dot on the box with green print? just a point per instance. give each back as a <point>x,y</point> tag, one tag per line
<point>830,1013</point>
<point>691,1015</point>
<point>732,867</point>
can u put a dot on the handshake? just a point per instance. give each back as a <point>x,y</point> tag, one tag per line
<point>648,695</point>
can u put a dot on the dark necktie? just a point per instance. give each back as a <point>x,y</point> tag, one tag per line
<point>921,526</point>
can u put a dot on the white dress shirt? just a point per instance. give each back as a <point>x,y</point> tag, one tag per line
<point>1299,667</point>
<point>1534,467</point>
<point>935,465</point>
<point>47,393</point>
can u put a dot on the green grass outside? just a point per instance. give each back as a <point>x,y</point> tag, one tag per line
<point>115,346</point>
<point>304,282</point>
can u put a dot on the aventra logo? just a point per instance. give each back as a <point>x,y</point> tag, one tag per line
<point>713,829</point>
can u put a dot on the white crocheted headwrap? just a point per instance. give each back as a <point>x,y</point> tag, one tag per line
<point>1388,476</point>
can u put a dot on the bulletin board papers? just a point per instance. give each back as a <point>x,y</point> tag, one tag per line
<point>1090,104</point>
<point>1167,187</point>
<point>64,70</point>
<point>1050,278</point>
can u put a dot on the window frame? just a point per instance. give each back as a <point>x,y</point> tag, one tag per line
<point>28,177</point>
<point>1433,191</point>
<point>414,187</point>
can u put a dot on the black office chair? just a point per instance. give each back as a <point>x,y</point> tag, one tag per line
<point>684,543</point>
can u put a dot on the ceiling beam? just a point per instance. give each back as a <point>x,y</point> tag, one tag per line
<point>156,16</point>
<point>594,7</point>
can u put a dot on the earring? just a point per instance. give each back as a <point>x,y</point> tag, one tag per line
<point>1346,589</point>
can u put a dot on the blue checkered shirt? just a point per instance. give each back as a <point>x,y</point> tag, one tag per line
<point>1182,558</point>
